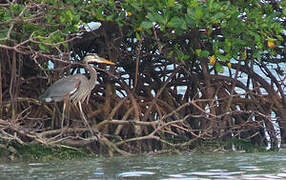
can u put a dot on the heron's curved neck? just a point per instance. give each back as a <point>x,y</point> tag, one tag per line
<point>93,75</point>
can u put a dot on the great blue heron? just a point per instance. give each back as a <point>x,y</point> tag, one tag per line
<point>76,88</point>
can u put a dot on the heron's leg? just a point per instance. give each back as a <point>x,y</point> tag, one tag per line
<point>63,116</point>
<point>84,118</point>
<point>68,109</point>
<point>66,100</point>
<point>57,120</point>
<point>53,124</point>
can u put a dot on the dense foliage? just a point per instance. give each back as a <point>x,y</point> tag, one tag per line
<point>186,70</point>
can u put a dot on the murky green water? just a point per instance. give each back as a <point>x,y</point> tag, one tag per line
<point>188,166</point>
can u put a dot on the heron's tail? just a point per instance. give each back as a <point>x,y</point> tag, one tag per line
<point>45,97</point>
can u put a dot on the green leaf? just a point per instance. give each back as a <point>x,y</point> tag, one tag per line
<point>177,22</point>
<point>222,57</point>
<point>284,12</point>
<point>137,36</point>
<point>199,13</point>
<point>194,4</point>
<point>98,13</point>
<point>198,52</point>
<point>146,24</point>
<point>170,3</point>
<point>205,54</point>
<point>136,5</point>
<point>279,37</point>
<point>66,45</point>
<point>219,68</point>
<point>174,22</point>
<point>44,48</point>
<point>156,18</point>
<point>170,54</point>
<point>184,57</point>
<point>243,55</point>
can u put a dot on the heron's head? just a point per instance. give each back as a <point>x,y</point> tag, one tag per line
<point>96,59</point>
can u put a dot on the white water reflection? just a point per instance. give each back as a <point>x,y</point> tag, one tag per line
<point>271,165</point>
<point>135,173</point>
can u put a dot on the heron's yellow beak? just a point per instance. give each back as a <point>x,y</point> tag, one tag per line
<point>104,61</point>
<point>96,59</point>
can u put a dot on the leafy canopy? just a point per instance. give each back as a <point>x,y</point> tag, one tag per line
<point>226,29</point>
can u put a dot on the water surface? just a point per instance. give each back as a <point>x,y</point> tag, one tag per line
<point>270,165</point>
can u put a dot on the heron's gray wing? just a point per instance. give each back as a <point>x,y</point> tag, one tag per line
<point>58,90</point>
